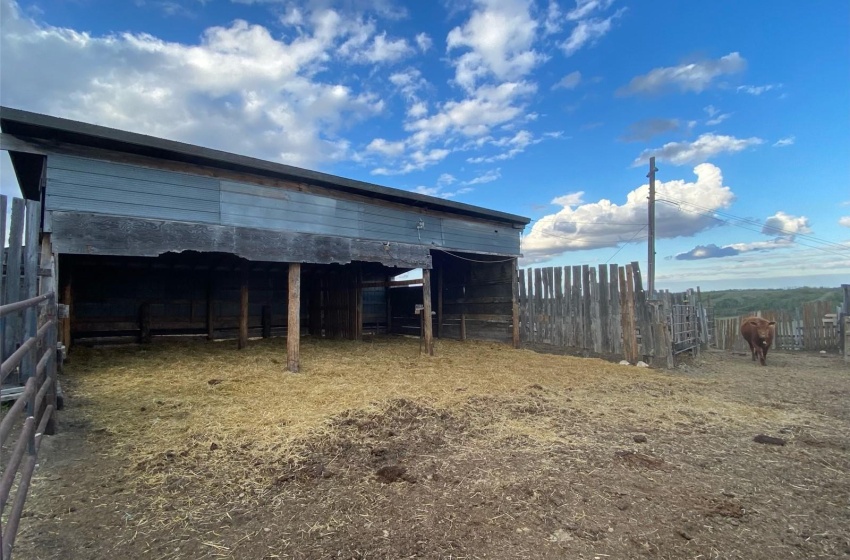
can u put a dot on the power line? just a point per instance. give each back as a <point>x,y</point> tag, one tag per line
<point>778,230</point>
<point>624,244</point>
<point>710,213</point>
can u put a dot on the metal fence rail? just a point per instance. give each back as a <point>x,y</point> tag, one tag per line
<point>29,365</point>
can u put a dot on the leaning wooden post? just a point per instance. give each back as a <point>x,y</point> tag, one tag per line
<point>243,312</point>
<point>293,323</point>
<point>440,302</point>
<point>515,272</point>
<point>426,301</point>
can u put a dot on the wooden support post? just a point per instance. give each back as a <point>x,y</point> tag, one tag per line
<point>440,302</point>
<point>30,287</point>
<point>243,312</point>
<point>211,306</point>
<point>3,252</point>
<point>463,326</point>
<point>426,301</point>
<point>267,321</point>
<point>515,272</point>
<point>389,308</point>
<point>145,323</point>
<point>293,322</point>
<point>68,300</point>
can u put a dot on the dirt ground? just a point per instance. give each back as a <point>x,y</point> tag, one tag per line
<point>643,463</point>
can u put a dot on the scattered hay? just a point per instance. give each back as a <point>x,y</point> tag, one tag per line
<point>214,425</point>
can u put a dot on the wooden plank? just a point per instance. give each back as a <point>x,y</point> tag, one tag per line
<point>515,277</point>
<point>604,319</point>
<point>532,312</point>
<point>14,325</point>
<point>586,308</point>
<point>523,306</point>
<point>614,325</point>
<point>85,233</point>
<point>632,320</point>
<point>538,306</point>
<point>426,302</point>
<point>642,315</point>
<point>576,313</point>
<point>547,304</point>
<point>211,307</point>
<point>293,323</point>
<point>595,317</point>
<point>557,308</point>
<point>463,327</point>
<point>242,341</point>
<point>3,206</point>
<point>565,308</point>
<point>30,281</point>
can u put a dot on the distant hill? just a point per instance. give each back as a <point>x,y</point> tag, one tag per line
<point>730,303</point>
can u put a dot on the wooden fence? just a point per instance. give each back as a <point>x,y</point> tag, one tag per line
<point>807,328</point>
<point>601,309</point>
<point>29,360</point>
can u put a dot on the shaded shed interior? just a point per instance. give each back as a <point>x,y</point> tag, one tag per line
<point>193,293</point>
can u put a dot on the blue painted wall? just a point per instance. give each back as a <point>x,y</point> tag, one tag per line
<point>88,185</point>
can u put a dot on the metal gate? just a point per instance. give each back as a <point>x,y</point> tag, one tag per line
<point>685,326</point>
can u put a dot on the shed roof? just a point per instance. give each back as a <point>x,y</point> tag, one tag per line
<point>40,127</point>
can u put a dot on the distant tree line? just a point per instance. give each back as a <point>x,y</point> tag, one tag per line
<point>729,303</point>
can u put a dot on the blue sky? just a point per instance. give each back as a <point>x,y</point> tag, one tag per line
<point>543,108</point>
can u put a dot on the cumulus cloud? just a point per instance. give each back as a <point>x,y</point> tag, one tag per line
<point>694,77</point>
<point>238,89</point>
<point>570,81</point>
<point>784,142</point>
<point>703,148</point>
<point>786,224</point>
<point>497,40</point>
<point>646,129</point>
<point>594,225</point>
<point>844,221</point>
<point>488,177</point>
<point>386,148</point>
<point>423,41</point>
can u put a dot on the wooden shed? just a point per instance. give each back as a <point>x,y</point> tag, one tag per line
<point>155,237</point>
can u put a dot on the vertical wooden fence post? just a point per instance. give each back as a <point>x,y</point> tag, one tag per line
<point>515,273</point>
<point>243,310</point>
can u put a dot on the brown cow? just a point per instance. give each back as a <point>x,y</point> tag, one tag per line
<point>758,333</point>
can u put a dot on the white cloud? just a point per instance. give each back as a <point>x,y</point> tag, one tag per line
<point>571,199</point>
<point>844,221</point>
<point>585,8</point>
<point>385,148</point>
<point>516,144</point>
<point>715,116</point>
<point>786,224</point>
<point>238,89</point>
<point>423,41</point>
<point>605,224</point>
<point>440,192</point>
<point>703,148</point>
<point>488,177</point>
<point>694,77</point>
<point>570,81</point>
<point>784,142</point>
<point>757,90</point>
<point>552,23</point>
<point>499,36</point>
<point>587,32</point>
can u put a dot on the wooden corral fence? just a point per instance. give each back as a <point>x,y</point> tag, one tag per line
<point>601,309</point>
<point>813,326</point>
<point>29,359</point>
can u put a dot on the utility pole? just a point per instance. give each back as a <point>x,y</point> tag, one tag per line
<point>651,247</point>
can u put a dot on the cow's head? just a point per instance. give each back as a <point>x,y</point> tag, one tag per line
<point>763,330</point>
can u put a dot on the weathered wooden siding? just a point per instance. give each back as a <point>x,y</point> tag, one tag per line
<point>94,186</point>
<point>90,185</point>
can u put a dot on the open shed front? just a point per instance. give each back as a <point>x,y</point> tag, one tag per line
<point>222,296</point>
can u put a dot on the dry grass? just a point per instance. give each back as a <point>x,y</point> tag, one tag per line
<point>178,398</point>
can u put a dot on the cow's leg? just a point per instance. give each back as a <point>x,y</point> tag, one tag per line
<point>752,350</point>
<point>761,355</point>
<point>764,355</point>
